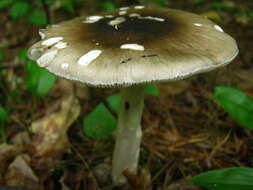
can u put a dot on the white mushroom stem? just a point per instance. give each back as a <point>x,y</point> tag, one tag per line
<point>128,139</point>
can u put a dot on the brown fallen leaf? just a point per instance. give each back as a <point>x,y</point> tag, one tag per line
<point>173,88</point>
<point>22,138</point>
<point>51,131</point>
<point>245,79</point>
<point>212,15</point>
<point>7,153</point>
<point>67,88</point>
<point>102,171</point>
<point>20,174</point>
<point>140,181</point>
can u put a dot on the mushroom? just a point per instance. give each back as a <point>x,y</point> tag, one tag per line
<point>128,49</point>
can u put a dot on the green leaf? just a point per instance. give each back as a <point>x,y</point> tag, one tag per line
<point>114,102</point>
<point>4,116</point>
<point>50,2</point>
<point>39,81</point>
<point>19,9</point>
<point>196,2</point>
<point>99,123</point>
<point>226,179</point>
<point>151,89</point>
<point>237,103</point>
<point>2,55</point>
<point>158,2</point>
<point>38,18</point>
<point>108,6</point>
<point>222,6</point>
<point>22,54</point>
<point>5,3</point>
<point>68,5</point>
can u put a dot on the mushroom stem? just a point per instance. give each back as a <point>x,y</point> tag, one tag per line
<point>128,139</point>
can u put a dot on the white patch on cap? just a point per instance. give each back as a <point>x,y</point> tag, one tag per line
<point>147,17</point>
<point>35,53</point>
<point>217,27</point>
<point>51,41</point>
<point>87,58</point>
<point>198,24</point>
<point>93,19</point>
<point>109,16</point>
<point>139,7</point>
<point>97,44</point>
<point>64,66</point>
<point>42,35</point>
<point>134,15</point>
<point>122,12</point>
<point>117,21</point>
<point>47,58</point>
<point>153,18</point>
<point>123,8</point>
<point>136,47</point>
<point>61,45</point>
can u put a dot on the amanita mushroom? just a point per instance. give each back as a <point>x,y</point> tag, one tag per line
<point>127,49</point>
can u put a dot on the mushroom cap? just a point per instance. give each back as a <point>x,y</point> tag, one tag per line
<point>133,46</point>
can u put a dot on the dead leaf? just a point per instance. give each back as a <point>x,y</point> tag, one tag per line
<point>20,174</point>
<point>245,77</point>
<point>66,88</point>
<point>22,138</point>
<point>7,152</point>
<point>212,15</point>
<point>103,171</point>
<point>51,131</point>
<point>140,181</point>
<point>82,91</point>
<point>173,88</point>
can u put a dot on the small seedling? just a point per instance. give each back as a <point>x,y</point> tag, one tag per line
<point>224,179</point>
<point>240,106</point>
<point>107,123</point>
<point>237,103</point>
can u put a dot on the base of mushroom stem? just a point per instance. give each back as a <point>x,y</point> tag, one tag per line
<point>129,133</point>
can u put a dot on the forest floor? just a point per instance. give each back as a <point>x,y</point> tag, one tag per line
<point>185,131</point>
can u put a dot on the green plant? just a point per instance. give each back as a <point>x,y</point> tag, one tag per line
<point>4,118</point>
<point>159,3</point>
<point>218,5</point>
<point>69,5</point>
<point>35,12</point>
<point>240,106</point>
<point>39,81</point>
<point>100,122</point>
<point>2,55</point>
<point>31,12</point>
<point>196,2</point>
<point>108,6</point>
<point>237,103</point>
<point>239,178</point>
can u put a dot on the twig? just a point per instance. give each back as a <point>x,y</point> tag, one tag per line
<point>216,148</point>
<point>162,170</point>
<point>86,165</point>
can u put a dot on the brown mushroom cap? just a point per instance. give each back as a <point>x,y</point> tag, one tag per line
<point>133,46</point>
